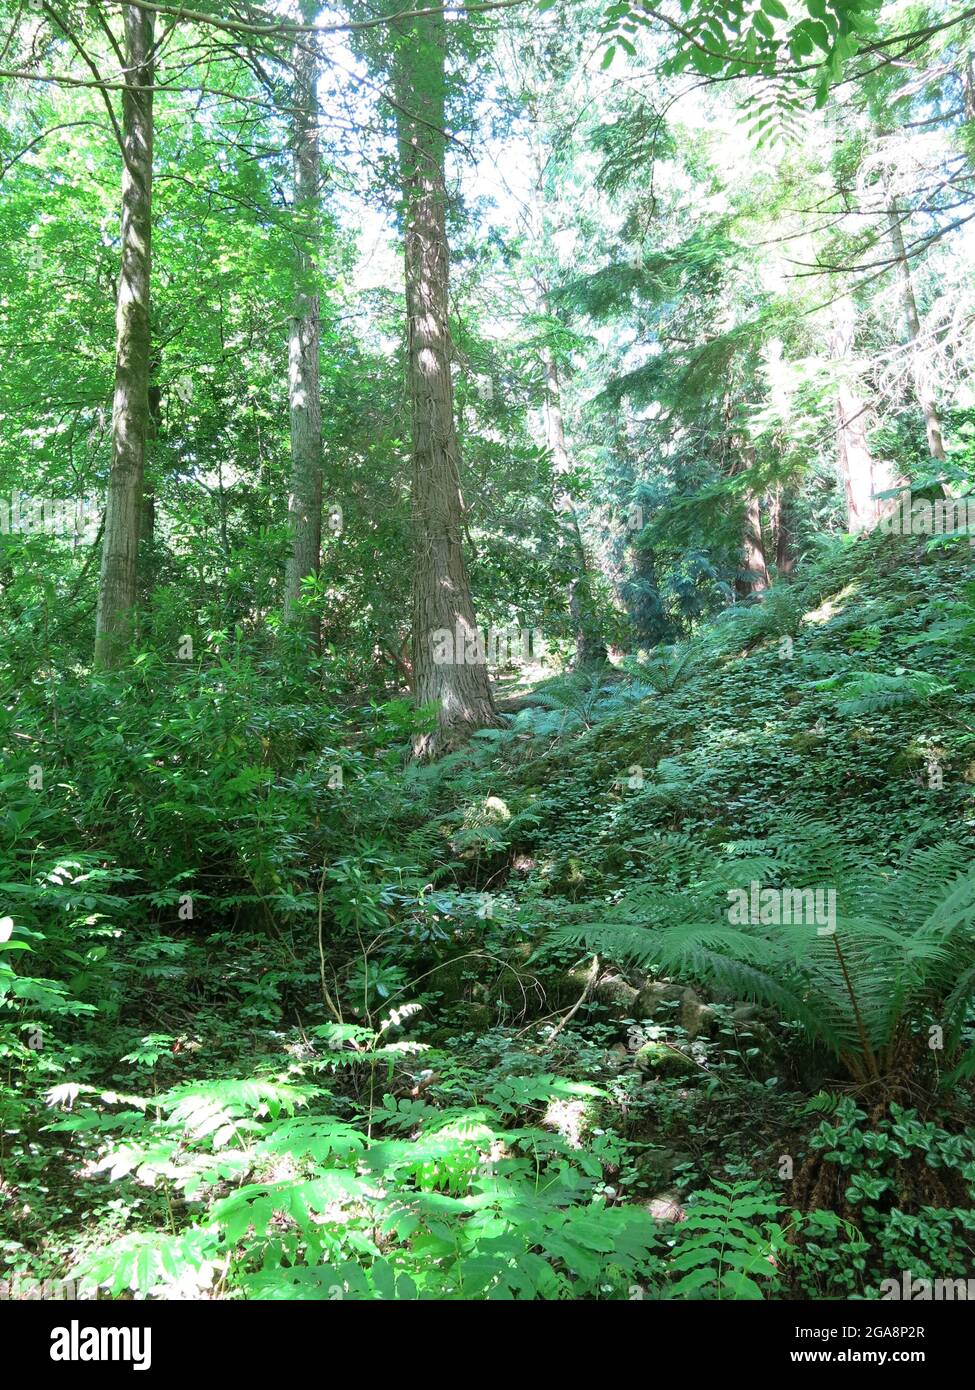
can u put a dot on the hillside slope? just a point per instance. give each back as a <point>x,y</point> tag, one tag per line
<point>506,1041</point>
<point>807,707</point>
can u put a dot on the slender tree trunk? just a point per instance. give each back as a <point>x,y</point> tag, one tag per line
<point>782,528</point>
<point>589,642</point>
<point>863,476</point>
<point>449,666</point>
<point>118,582</point>
<point>304,344</point>
<point>590,647</point>
<point>147,521</point>
<point>752,577</point>
<point>922,382</point>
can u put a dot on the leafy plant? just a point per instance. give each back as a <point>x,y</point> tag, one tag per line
<point>727,1244</point>
<point>899,960</point>
<point>896,1231</point>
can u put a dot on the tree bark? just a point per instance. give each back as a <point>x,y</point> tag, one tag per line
<point>118,581</point>
<point>442,604</point>
<point>304,346</point>
<point>863,476</point>
<point>147,521</point>
<point>590,646</point>
<point>537,79</point>
<point>782,528</point>
<point>753,576</point>
<point>922,383</point>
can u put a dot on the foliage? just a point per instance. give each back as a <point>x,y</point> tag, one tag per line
<point>898,957</point>
<point>284,1015</point>
<point>893,1231</point>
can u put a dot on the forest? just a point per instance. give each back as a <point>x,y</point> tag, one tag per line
<point>487,655</point>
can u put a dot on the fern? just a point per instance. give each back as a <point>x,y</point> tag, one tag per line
<point>869,692</point>
<point>465,1207</point>
<point>902,954</point>
<point>668,668</point>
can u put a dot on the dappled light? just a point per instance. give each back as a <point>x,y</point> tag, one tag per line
<point>487,750</point>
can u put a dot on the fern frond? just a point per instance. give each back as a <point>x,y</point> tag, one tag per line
<point>900,947</point>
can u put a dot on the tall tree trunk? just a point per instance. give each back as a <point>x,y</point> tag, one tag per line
<point>118,581</point>
<point>147,522</point>
<point>449,669</point>
<point>922,381</point>
<point>304,340</point>
<point>782,529</point>
<point>863,476</point>
<point>752,577</point>
<point>590,647</point>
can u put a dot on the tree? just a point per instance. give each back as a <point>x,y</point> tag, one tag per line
<point>118,581</point>
<point>752,577</point>
<point>863,476</point>
<point>590,647</point>
<point>442,605</point>
<point>304,338</point>
<point>922,383</point>
<point>540,64</point>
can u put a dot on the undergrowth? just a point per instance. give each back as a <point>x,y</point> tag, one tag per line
<point>283,1016</point>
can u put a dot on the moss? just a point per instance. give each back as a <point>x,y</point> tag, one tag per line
<point>658,1058</point>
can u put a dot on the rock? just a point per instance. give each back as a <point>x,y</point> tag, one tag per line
<point>617,1056</point>
<point>514,704</point>
<point>653,997</point>
<point>696,1017</point>
<point>662,1060</point>
<point>520,990</point>
<point>743,1014</point>
<point>476,1016</point>
<point>450,977</point>
<point>573,1119</point>
<point>665,1207</point>
<point>616,994</point>
<point>568,985</point>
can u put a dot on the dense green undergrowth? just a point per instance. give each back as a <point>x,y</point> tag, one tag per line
<point>281,1016</point>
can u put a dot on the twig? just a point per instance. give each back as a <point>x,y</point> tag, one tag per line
<point>587,989</point>
<point>330,1004</point>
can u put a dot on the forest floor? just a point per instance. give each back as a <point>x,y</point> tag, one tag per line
<point>439,1066</point>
